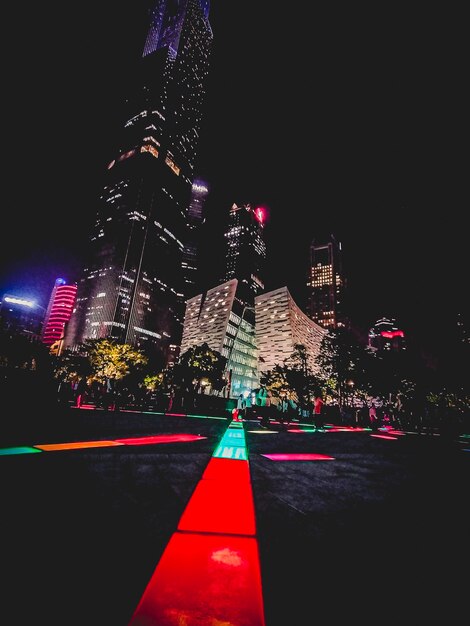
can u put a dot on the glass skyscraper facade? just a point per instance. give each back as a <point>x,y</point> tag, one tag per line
<point>133,286</point>
<point>246,251</point>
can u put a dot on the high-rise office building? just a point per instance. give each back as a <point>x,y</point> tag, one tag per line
<point>58,312</point>
<point>325,284</point>
<point>195,219</point>
<point>246,251</point>
<point>385,335</point>
<point>132,288</point>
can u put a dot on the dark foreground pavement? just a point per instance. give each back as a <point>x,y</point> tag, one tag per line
<point>380,534</point>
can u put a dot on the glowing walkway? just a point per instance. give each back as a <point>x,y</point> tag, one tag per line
<point>209,573</point>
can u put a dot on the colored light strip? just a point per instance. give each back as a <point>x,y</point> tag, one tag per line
<point>231,452</point>
<point>77,445</point>
<point>204,580</point>
<point>155,439</point>
<point>212,576</point>
<point>306,456</point>
<point>18,450</point>
<point>216,507</point>
<point>384,437</point>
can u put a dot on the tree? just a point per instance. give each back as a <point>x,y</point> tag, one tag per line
<point>295,377</point>
<point>197,367</point>
<point>343,364</point>
<point>113,360</point>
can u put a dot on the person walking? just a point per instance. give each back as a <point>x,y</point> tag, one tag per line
<point>318,412</point>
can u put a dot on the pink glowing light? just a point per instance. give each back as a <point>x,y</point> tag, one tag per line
<point>299,457</point>
<point>390,334</point>
<point>384,437</point>
<point>259,214</point>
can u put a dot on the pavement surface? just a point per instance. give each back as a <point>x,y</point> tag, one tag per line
<point>378,534</point>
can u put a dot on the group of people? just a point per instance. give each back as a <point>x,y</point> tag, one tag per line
<point>285,410</point>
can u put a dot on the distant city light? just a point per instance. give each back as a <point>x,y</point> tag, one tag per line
<point>200,188</point>
<point>13,300</point>
<point>390,334</point>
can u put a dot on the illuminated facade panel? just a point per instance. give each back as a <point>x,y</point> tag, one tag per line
<point>280,325</point>
<point>218,318</point>
<point>58,312</point>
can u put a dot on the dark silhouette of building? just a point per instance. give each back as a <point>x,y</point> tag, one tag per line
<point>245,251</point>
<point>191,253</point>
<point>58,312</point>
<point>21,316</point>
<point>386,335</point>
<point>326,284</point>
<point>133,288</point>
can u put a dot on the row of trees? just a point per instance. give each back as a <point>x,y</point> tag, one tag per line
<point>350,375</point>
<point>344,372</point>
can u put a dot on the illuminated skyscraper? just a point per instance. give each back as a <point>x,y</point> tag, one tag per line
<point>133,288</point>
<point>386,335</point>
<point>58,312</point>
<point>195,219</point>
<point>325,284</point>
<point>246,251</point>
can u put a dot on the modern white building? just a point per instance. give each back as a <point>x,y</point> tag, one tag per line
<point>280,324</point>
<point>218,318</point>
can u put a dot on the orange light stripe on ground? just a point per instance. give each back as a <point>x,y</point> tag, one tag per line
<point>76,445</point>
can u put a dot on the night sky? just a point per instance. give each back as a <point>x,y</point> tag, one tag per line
<point>346,121</point>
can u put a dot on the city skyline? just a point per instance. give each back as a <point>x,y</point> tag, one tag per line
<point>351,128</point>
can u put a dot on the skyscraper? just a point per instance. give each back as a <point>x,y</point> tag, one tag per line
<point>132,288</point>
<point>195,219</point>
<point>58,312</point>
<point>386,335</point>
<point>246,251</point>
<point>325,284</point>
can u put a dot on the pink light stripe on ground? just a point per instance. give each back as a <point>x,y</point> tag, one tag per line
<point>299,457</point>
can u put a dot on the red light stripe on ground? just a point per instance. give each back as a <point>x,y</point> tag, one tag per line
<point>384,437</point>
<point>140,441</point>
<point>218,507</point>
<point>204,580</point>
<point>227,471</point>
